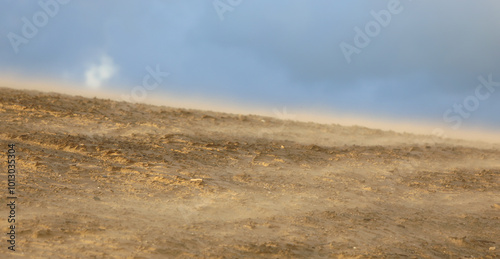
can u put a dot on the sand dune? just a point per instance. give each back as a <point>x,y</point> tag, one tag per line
<point>105,179</point>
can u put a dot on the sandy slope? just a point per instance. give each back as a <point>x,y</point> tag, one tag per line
<point>99,178</point>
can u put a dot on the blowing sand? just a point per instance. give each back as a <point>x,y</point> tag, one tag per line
<point>105,179</point>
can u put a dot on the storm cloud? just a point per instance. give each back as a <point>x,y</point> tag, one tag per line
<point>419,62</point>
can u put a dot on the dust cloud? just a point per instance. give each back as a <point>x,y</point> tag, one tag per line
<point>111,179</point>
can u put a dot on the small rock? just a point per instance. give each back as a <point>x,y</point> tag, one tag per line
<point>197,180</point>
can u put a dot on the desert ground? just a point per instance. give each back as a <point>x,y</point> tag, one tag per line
<point>106,179</point>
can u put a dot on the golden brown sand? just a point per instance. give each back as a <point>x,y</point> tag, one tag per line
<point>104,179</point>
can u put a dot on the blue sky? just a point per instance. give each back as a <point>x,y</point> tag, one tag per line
<point>404,60</point>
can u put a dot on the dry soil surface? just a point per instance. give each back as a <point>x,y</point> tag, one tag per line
<point>105,179</point>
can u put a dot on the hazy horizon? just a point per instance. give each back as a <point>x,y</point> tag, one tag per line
<point>303,115</point>
<point>400,61</point>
